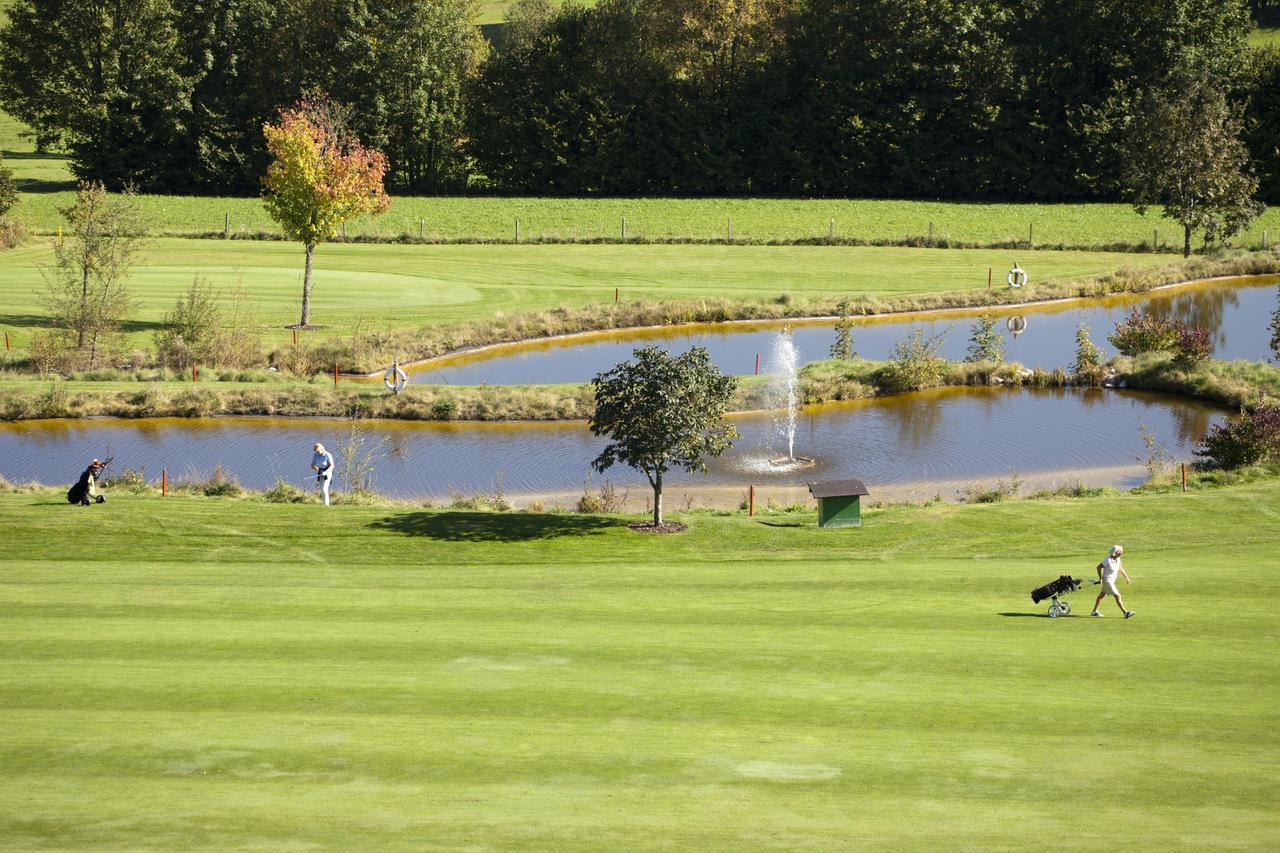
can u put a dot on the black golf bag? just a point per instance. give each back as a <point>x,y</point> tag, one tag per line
<point>1057,590</point>
<point>85,490</point>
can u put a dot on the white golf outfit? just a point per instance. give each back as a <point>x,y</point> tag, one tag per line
<point>1110,568</point>
<point>324,462</point>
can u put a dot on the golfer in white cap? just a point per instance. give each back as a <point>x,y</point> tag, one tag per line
<point>1107,571</point>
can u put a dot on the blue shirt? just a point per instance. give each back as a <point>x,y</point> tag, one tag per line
<point>322,461</point>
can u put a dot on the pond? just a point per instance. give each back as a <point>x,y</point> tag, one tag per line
<point>935,439</point>
<point>1235,311</point>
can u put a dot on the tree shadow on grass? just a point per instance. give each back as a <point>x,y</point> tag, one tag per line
<point>494,526</point>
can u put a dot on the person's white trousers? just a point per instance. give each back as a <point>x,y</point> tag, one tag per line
<point>324,489</point>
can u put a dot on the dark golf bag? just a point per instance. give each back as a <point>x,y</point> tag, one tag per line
<point>1061,586</point>
<point>81,492</point>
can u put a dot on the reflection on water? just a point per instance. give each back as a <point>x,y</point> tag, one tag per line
<point>1236,313</point>
<point>940,435</point>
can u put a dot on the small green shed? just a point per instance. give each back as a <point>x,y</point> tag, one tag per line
<point>839,502</point>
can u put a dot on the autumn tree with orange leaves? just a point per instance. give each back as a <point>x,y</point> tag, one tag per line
<point>320,176</point>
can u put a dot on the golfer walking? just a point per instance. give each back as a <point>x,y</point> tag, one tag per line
<point>322,464</point>
<point>1107,571</point>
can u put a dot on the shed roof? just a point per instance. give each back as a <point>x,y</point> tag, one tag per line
<point>832,488</point>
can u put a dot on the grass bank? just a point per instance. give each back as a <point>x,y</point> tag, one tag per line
<point>225,674</point>
<point>21,398</point>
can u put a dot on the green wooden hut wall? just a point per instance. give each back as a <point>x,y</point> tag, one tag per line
<point>840,511</point>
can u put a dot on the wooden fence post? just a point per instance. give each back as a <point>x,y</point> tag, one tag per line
<point>757,364</point>
<point>831,229</point>
<point>422,223</point>
<point>1184,476</point>
<point>226,225</point>
<point>930,232</point>
<point>728,230</point>
<point>624,229</point>
<point>517,229</point>
<point>335,374</point>
<point>1031,234</point>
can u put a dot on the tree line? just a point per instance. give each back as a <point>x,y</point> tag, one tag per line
<point>1008,99</point>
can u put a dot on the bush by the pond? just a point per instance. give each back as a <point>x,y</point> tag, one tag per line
<point>1141,332</point>
<point>287,493</point>
<point>1252,439</point>
<point>915,364</point>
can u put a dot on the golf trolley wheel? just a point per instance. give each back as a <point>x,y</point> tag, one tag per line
<point>1064,608</point>
<point>1053,611</point>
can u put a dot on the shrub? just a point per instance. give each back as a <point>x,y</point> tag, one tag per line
<point>1142,332</point>
<point>915,364</point>
<point>985,343</point>
<point>1252,439</point>
<point>190,331</point>
<point>1192,347</point>
<point>443,410</point>
<point>221,484</point>
<point>127,478</point>
<point>1087,369</point>
<point>286,493</point>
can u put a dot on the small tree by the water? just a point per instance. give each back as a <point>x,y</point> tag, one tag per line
<point>1275,329</point>
<point>1186,155</point>
<point>85,288</point>
<point>985,343</point>
<point>1087,369</point>
<point>320,177</point>
<point>662,412</point>
<point>843,347</point>
<point>917,362</point>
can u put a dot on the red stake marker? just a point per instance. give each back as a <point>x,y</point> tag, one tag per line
<point>751,502</point>
<point>164,482</point>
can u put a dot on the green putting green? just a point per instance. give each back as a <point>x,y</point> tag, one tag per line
<point>402,286</point>
<point>198,673</point>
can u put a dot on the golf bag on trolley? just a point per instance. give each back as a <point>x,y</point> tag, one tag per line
<point>1057,591</point>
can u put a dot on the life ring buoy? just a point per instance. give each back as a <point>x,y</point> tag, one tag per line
<point>1017,325</point>
<point>395,378</point>
<point>1017,276</point>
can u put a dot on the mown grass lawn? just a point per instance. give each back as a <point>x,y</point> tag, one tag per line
<point>400,286</point>
<point>193,673</point>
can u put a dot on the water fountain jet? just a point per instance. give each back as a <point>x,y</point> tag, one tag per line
<point>785,361</point>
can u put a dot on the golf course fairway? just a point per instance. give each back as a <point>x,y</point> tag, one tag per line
<point>230,674</point>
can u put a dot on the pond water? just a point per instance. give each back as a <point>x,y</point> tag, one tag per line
<point>1236,312</point>
<point>940,436</point>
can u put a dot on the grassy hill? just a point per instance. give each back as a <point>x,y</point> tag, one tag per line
<point>194,673</point>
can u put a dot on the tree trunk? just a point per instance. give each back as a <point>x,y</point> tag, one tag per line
<point>1186,241</point>
<point>83,320</point>
<point>306,288</point>
<point>657,501</point>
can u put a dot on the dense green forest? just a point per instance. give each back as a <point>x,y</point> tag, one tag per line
<point>974,99</point>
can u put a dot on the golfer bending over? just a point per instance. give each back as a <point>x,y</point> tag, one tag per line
<point>322,464</point>
<point>1107,571</point>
